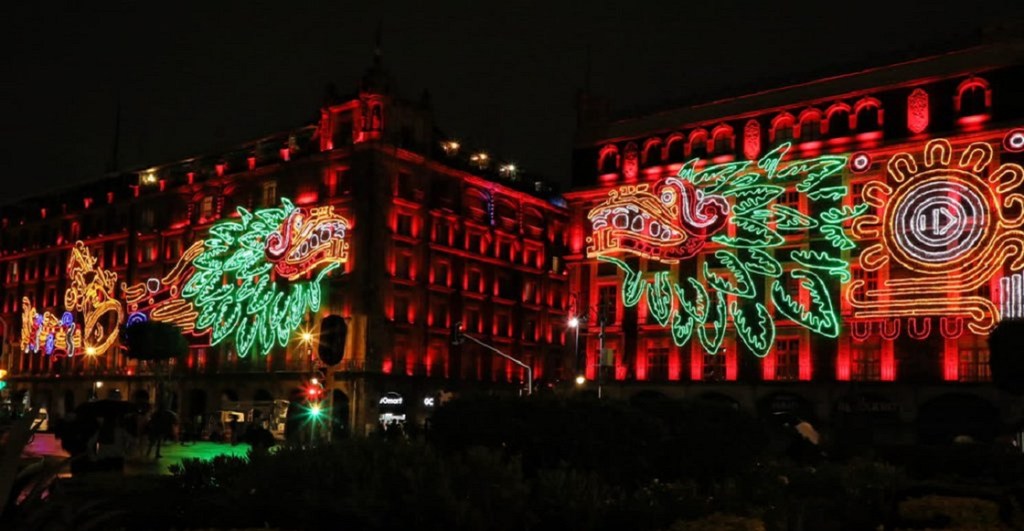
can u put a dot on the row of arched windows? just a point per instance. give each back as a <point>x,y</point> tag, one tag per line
<point>973,98</point>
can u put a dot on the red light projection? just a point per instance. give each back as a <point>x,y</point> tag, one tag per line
<point>752,140</point>
<point>917,111</point>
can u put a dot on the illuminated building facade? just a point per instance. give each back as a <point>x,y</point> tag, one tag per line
<point>838,248</point>
<point>369,214</point>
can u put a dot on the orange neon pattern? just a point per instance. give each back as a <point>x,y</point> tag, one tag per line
<point>950,228</point>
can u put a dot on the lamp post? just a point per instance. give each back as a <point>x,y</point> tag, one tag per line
<point>576,322</point>
<point>458,336</point>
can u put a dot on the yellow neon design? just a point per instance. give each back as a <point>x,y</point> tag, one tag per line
<point>949,226</point>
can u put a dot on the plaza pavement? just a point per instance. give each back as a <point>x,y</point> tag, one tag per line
<point>47,446</point>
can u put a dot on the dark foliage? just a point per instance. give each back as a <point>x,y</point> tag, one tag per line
<point>627,444</point>
<point>154,341</point>
<point>1006,346</point>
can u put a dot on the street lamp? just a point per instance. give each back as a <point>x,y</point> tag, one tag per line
<point>576,322</point>
<point>580,380</point>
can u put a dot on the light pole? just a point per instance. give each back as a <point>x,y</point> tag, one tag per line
<point>576,322</point>
<point>458,336</point>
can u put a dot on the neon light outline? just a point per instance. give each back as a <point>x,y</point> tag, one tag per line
<point>941,284</point>
<point>755,220</point>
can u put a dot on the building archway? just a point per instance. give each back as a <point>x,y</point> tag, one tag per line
<point>647,397</point>
<point>295,416</point>
<point>196,403</point>
<point>228,395</point>
<point>69,401</point>
<point>786,404</point>
<point>720,399</point>
<point>339,415</point>
<point>141,399</point>
<point>948,417</point>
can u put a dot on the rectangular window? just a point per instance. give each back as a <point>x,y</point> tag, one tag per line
<point>401,309</point>
<point>506,287</point>
<point>403,225</point>
<point>657,363</point>
<point>607,303</point>
<point>173,249</point>
<point>870,278</point>
<point>442,232</point>
<point>529,330</point>
<point>529,291</point>
<point>502,324</point>
<point>441,272</point>
<point>148,218</point>
<point>206,208</point>
<point>787,359</point>
<point>337,183</point>
<point>790,198</point>
<point>530,256</point>
<point>475,281</point>
<point>120,257</point>
<point>714,366</point>
<point>269,193</point>
<point>471,319</point>
<point>607,269</point>
<point>505,250</point>
<point>439,314</point>
<point>974,360</point>
<point>406,190</point>
<point>403,266</point>
<point>474,243</point>
<point>866,360</point>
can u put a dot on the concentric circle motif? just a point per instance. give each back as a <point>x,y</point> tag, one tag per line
<point>1014,141</point>
<point>940,221</point>
<point>860,162</point>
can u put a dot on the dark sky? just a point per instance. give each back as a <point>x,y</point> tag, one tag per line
<point>502,75</point>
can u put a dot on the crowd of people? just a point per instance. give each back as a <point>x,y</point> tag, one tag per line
<point>105,439</point>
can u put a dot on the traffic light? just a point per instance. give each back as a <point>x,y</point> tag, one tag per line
<point>314,390</point>
<point>3,382</point>
<point>457,331</point>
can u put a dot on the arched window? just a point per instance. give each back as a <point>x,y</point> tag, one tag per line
<point>869,114</point>
<point>608,159</point>
<point>723,139</point>
<point>782,128</point>
<point>973,97</point>
<point>752,139</point>
<point>675,148</point>
<point>698,143</point>
<point>838,120</point>
<point>917,111</point>
<point>810,125</point>
<point>652,152</point>
<point>478,205</point>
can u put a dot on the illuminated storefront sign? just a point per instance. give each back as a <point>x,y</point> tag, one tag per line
<point>252,280</point>
<point>747,213</point>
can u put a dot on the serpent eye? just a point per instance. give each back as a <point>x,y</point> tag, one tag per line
<point>668,196</point>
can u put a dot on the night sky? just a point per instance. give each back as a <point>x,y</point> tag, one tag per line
<point>193,80</point>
